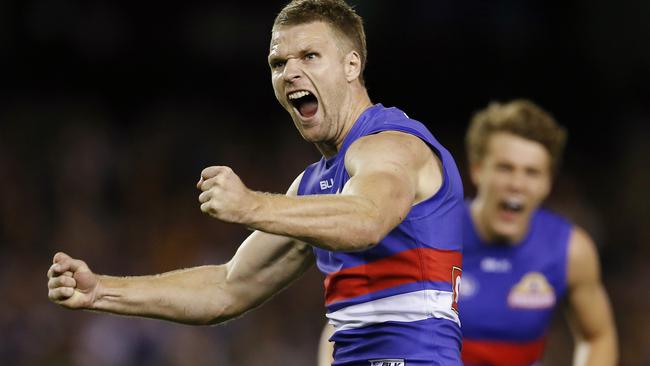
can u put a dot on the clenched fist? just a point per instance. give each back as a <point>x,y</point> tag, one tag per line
<point>224,196</point>
<point>71,283</point>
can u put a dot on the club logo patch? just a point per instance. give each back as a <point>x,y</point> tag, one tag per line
<point>533,291</point>
<point>456,273</point>
<point>388,362</point>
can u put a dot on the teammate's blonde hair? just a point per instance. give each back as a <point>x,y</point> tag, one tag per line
<point>519,117</point>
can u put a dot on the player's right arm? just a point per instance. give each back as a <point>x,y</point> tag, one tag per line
<point>263,265</point>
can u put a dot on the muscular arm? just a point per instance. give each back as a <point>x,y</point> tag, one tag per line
<point>590,312</point>
<point>263,265</point>
<point>389,172</point>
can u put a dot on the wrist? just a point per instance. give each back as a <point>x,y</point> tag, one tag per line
<point>99,293</point>
<point>252,214</point>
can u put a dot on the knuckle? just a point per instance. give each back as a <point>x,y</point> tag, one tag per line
<point>55,294</point>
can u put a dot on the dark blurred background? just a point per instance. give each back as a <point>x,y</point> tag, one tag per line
<point>109,110</point>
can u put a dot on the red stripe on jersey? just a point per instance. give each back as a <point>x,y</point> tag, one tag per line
<point>414,265</point>
<point>502,353</point>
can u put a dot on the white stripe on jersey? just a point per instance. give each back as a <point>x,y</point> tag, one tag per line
<point>407,307</point>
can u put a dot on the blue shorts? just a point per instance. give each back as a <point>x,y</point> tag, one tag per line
<point>429,342</point>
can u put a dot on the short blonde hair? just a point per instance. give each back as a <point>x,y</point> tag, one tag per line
<point>337,13</point>
<point>519,117</point>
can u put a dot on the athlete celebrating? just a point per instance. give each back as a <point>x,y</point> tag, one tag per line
<point>380,214</point>
<point>521,260</point>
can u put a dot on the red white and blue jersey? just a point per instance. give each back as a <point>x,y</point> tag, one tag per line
<point>509,292</point>
<point>395,302</point>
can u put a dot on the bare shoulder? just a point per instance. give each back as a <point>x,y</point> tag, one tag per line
<point>387,146</point>
<point>397,154</point>
<point>583,260</point>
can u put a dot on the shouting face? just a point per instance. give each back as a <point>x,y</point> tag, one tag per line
<point>311,78</point>
<point>512,180</point>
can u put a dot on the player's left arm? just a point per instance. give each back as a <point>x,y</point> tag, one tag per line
<point>590,312</point>
<point>389,172</point>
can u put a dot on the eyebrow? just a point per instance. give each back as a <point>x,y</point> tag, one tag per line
<point>273,59</point>
<point>302,52</point>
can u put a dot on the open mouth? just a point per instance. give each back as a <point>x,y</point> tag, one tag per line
<point>305,103</point>
<point>512,206</point>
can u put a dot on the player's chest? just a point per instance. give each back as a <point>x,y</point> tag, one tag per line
<point>509,283</point>
<point>327,180</point>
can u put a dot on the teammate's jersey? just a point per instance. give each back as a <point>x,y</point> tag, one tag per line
<point>509,292</point>
<point>395,300</point>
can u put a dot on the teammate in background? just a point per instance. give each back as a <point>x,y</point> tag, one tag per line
<point>521,260</point>
<point>380,214</point>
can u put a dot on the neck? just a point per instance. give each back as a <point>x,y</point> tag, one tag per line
<point>359,103</point>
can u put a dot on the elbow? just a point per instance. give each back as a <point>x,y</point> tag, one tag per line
<point>371,237</point>
<point>219,317</point>
<point>602,346</point>
<point>363,238</point>
<point>371,231</point>
<point>221,309</point>
<point>232,304</point>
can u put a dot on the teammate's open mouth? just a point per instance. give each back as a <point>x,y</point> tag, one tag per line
<point>511,206</point>
<point>305,102</point>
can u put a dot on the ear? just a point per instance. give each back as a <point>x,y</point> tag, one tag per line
<point>352,65</point>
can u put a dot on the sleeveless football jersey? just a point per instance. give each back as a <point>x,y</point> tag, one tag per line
<point>396,300</point>
<point>509,292</point>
